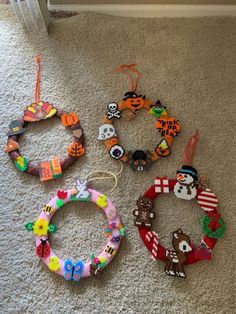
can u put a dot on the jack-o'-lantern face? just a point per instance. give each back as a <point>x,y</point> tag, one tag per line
<point>134,101</point>
<point>163,148</point>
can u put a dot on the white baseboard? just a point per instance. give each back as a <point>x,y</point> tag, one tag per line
<point>151,10</point>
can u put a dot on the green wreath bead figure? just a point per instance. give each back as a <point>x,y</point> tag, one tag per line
<point>213,226</point>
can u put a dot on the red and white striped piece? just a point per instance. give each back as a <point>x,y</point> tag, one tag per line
<point>162,185</point>
<point>207,200</point>
<point>152,235</point>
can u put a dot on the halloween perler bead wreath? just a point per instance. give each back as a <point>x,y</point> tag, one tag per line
<point>186,186</point>
<point>75,270</point>
<point>37,111</point>
<point>130,105</point>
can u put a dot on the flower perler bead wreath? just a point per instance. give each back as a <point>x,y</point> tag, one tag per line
<point>186,186</point>
<point>131,104</point>
<point>42,227</point>
<point>37,111</point>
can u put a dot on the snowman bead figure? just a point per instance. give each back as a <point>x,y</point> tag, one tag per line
<point>185,188</point>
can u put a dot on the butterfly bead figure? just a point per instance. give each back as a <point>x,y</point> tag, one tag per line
<point>73,271</point>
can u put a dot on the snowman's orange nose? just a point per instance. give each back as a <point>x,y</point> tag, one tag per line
<point>180,177</point>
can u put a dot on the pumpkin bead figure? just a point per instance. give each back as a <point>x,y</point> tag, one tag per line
<point>69,119</point>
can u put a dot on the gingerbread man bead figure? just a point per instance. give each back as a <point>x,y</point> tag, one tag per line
<point>143,213</point>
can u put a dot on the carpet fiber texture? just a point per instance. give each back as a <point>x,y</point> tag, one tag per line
<point>190,65</point>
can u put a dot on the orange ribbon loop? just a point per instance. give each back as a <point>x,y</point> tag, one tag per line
<point>126,69</point>
<point>37,89</point>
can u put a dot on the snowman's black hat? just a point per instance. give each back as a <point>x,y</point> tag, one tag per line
<point>189,170</point>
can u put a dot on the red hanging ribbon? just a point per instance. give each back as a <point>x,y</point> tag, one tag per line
<point>189,151</point>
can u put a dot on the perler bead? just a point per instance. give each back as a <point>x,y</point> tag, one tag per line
<point>183,252</point>
<point>37,111</point>
<point>109,232</point>
<point>54,264</point>
<point>48,210</point>
<point>69,119</point>
<point>43,249</point>
<point>73,271</point>
<point>41,227</point>
<point>11,146</point>
<point>49,170</point>
<point>21,163</point>
<point>59,203</point>
<point>76,149</point>
<point>207,200</point>
<point>213,225</point>
<point>62,194</point>
<point>127,108</point>
<point>102,201</point>
<point>116,152</point>
<point>16,128</point>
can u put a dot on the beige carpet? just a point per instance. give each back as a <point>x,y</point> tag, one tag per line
<point>190,64</point>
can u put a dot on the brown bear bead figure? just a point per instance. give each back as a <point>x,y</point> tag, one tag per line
<point>143,213</point>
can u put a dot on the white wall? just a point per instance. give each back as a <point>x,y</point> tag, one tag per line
<point>142,2</point>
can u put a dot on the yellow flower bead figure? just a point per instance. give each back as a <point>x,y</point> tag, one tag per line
<point>41,227</point>
<point>102,201</point>
<point>54,264</point>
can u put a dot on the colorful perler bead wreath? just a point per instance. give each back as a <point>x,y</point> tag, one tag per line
<point>42,227</point>
<point>131,104</point>
<point>184,252</point>
<point>50,169</point>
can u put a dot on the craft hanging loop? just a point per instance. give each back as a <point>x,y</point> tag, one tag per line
<point>127,69</point>
<point>110,175</point>
<point>37,87</point>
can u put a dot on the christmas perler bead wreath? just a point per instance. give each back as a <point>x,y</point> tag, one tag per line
<point>37,111</point>
<point>69,269</point>
<point>130,105</point>
<point>186,186</point>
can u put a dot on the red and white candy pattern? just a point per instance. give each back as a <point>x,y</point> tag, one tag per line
<point>152,235</point>
<point>207,200</point>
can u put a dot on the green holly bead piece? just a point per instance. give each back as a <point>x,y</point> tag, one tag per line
<point>52,228</point>
<point>29,226</point>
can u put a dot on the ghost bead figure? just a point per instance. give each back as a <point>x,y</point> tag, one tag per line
<point>106,131</point>
<point>185,188</point>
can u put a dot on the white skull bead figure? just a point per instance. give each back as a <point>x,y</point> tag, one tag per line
<point>106,131</point>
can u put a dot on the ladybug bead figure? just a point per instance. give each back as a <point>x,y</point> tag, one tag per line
<point>43,249</point>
